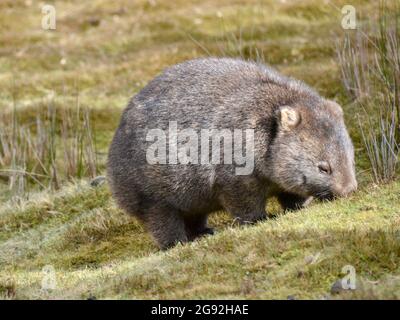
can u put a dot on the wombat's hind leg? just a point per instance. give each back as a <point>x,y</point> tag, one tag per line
<point>196,226</point>
<point>290,201</point>
<point>166,226</point>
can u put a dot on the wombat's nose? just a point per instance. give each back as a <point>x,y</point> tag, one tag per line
<point>348,188</point>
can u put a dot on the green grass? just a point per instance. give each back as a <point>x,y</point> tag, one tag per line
<point>97,250</point>
<point>111,51</point>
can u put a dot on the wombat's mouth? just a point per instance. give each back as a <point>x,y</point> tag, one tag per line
<point>326,195</point>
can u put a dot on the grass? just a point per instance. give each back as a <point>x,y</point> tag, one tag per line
<point>97,250</point>
<point>370,65</point>
<point>110,50</point>
<point>30,149</point>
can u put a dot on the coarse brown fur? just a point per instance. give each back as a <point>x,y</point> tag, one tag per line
<point>302,148</point>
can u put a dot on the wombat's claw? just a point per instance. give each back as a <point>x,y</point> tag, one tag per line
<point>262,218</point>
<point>241,221</point>
<point>307,201</point>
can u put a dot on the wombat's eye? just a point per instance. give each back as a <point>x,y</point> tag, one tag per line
<point>324,167</point>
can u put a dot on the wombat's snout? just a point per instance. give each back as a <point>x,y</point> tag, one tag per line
<point>346,189</point>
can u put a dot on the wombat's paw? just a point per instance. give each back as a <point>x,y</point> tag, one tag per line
<point>307,201</point>
<point>201,233</point>
<point>293,202</point>
<point>207,231</point>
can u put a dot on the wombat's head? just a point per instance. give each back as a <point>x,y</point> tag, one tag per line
<point>312,153</point>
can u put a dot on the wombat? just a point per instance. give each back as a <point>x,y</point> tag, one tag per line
<point>300,147</point>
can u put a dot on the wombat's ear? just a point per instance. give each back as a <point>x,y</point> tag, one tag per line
<point>335,108</point>
<point>289,117</point>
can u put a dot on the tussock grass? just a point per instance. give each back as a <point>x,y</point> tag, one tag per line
<point>370,67</point>
<point>58,144</point>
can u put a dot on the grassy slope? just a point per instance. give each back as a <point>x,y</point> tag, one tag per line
<point>111,51</point>
<point>96,250</point>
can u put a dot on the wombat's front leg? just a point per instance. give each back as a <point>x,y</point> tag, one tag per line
<point>166,226</point>
<point>196,226</point>
<point>290,201</point>
<point>245,208</point>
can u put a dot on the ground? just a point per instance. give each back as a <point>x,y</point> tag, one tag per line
<point>97,251</point>
<point>109,51</point>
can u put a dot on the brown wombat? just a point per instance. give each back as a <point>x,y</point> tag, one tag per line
<point>300,147</point>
